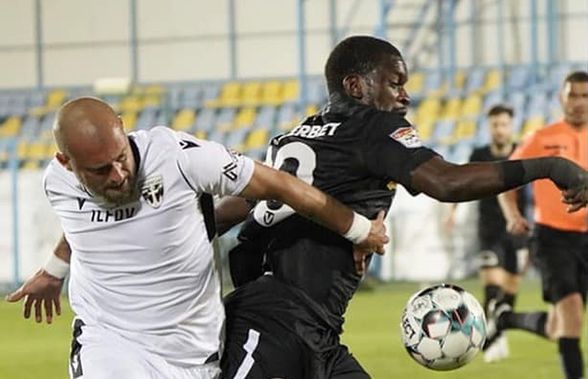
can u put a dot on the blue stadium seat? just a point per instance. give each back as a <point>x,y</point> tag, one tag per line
<point>475,80</point>
<point>266,117</point>
<point>518,78</point>
<point>147,119</point>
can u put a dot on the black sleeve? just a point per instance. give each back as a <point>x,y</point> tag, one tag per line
<point>393,149</point>
<point>475,156</point>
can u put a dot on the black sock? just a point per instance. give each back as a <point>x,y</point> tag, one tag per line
<point>533,322</point>
<point>491,291</point>
<point>571,357</point>
<point>509,298</point>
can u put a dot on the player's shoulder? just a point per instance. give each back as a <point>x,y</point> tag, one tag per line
<point>57,179</point>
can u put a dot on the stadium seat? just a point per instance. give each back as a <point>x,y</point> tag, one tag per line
<point>491,99</point>
<point>226,119</point>
<point>272,93</point>
<point>287,116</point>
<point>518,78</point>
<point>472,106</point>
<point>148,119</point>
<point>257,139</point>
<point>434,84</point>
<point>230,96</point>
<point>465,130</point>
<point>184,120</point>
<point>428,108</point>
<point>206,120</point>
<point>245,118</point>
<point>131,103</point>
<point>537,105</point>
<point>129,119</point>
<point>452,109</point>
<point>532,124</point>
<point>493,80</point>
<point>474,80</point>
<point>56,98</point>
<point>10,127</point>
<point>443,132</point>
<point>415,84</point>
<point>266,118</point>
<point>291,90</point>
<point>251,94</point>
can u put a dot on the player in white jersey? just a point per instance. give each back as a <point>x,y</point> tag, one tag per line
<point>136,215</point>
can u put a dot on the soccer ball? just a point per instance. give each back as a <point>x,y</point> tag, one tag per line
<point>443,327</point>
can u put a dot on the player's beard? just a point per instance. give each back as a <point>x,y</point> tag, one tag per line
<point>112,198</point>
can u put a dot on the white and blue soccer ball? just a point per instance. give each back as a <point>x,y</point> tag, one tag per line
<point>443,327</point>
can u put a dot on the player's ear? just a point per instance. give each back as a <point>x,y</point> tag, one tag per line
<point>353,86</point>
<point>64,160</point>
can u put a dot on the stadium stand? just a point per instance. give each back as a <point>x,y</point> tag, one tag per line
<point>246,114</point>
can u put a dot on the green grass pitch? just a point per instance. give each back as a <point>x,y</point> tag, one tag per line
<point>32,351</point>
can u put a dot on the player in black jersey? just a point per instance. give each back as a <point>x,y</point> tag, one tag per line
<point>286,324</point>
<point>500,270</point>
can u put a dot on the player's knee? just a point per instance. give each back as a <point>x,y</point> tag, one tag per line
<point>570,315</point>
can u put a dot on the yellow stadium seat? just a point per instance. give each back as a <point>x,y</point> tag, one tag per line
<point>152,100</point>
<point>459,79</point>
<point>251,94</point>
<point>184,119</point>
<point>200,134</point>
<point>22,150</point>
<point>425,128</point>
<point>272,93</point>
<point>245,118</point>
<point>129,119</point>
<point>131,103</point>
<point>493,81</point>
<point>416,83</point>
<point>154,90</point>
<point>465,129</point>
<point>532,124</point>
<point>37,151</point>
<point>291,90</point>
<point>31,165</point>
<point>257,139</point>
<point>311,109</point>
<point>50,150</point>
<point>55,98</point>
<point>452,109</point>
<point>230,96</point>
<point>472,106</point>
<point>10,127</point>
<point>428,108</point>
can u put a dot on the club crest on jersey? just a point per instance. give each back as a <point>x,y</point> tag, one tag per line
<point>152,191</point>
<point>407,136</point>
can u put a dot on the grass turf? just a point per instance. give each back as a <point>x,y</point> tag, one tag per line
<point>30,351</point>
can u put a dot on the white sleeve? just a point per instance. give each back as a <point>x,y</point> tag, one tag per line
<point>212,168</point>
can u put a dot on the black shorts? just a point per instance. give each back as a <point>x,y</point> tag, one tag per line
<point>501,251</point>
<point>562,260</point>
<point>270,333</point>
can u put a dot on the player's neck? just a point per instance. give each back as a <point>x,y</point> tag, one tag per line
<point>501,150</point>
<point>578,127</point>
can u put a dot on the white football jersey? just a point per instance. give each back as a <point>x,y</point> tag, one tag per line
<point>145,270</point>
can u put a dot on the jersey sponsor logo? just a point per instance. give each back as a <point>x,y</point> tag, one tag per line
<point>152,191</point>
<point>407,136</point>
<point>118,214</point>
<point>315,131</point>
<point>187,144</point>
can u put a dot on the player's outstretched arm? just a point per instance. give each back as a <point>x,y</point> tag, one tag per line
<point>267,183</point>
<point>449,182</point>
<point>43,289</point>
<point>230,211</point>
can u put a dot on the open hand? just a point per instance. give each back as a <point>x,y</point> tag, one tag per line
<point>40,291</point>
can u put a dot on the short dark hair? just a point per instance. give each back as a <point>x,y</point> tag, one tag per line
<point>355,55</point>
<point>500,109</point>
<point>577,77</point>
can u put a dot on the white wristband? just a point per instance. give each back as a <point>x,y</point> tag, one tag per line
<point>359,230</point>
<point>56,267</point>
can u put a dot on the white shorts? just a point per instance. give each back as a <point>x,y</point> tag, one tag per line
<point>100,354</point>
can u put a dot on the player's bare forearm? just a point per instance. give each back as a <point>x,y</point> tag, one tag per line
<point>453,183</point>
<point>305,199</point>
<point>230,211</point>
<point>62,249</point>
<point>508,204</point>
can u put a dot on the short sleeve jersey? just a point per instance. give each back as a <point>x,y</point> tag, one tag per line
<point>562,140</point>
<point>145,270</point>
<point>357,158</point>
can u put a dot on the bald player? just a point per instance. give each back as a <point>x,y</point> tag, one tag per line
<point>136,214</point>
